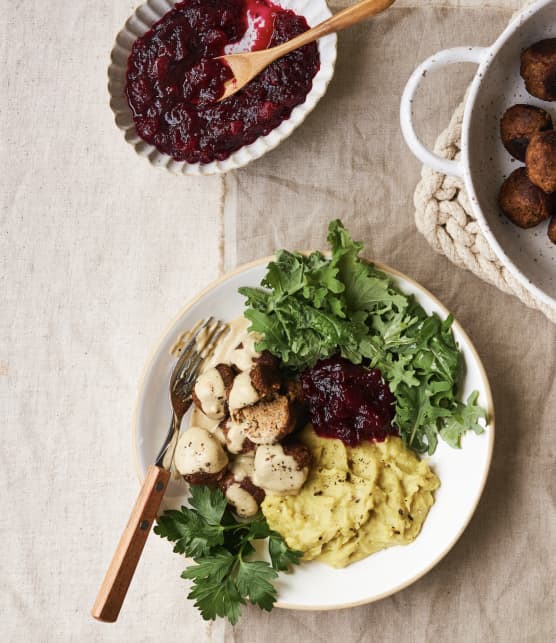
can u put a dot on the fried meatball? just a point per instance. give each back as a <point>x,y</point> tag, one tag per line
<point>204,479</point>
<point>227,373</point>
<point>268,359</point>
<point>281,470</point>
<point>239,489</point>
<point>199,457</point>
<point>293,390</point>
<point>517,126</point>
<point>265,375</point>
<point>541,161</point>
<point>268,421</point>
<point>236,440</point>
<point>523,203</point>
<point>538,69</point>
<point>212,389</point>
<point>552,229</point>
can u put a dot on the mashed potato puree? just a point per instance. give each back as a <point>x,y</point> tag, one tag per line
<point>355,502</point>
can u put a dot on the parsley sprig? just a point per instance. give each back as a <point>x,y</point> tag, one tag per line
<point>224,578</point>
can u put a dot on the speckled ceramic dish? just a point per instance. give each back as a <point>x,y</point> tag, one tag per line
<point>141,21</point>
<point>484,162</point>
<point>313,585</point>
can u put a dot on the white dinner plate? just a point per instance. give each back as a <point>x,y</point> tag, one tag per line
<point>313,585</point>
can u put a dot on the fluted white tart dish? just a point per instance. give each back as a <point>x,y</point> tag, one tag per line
<point>143,18</point>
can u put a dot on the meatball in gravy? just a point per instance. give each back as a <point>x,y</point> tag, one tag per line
<point>239,489</point>
<point>268,421</point>
<point>212,389</point>
<point>243,393</point>
<point>236,440</point>
<point>281,469</point>
<point>199,457</point>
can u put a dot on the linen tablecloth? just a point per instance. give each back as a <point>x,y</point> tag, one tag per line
<point>99,251</point>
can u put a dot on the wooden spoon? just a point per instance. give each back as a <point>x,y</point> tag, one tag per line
<point>247,65</point>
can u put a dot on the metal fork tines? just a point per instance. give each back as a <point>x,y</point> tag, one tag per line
<point>194,353</point>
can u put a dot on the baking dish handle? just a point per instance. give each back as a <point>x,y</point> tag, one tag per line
<point>436,61</point>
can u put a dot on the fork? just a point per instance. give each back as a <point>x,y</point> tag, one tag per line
<point>124,562</point>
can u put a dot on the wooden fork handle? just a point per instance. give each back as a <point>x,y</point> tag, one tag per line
<point>118,577</point>
<point>341,20</point>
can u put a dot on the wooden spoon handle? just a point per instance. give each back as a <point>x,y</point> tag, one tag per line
<point>118,577</point>
<point>345,18</point>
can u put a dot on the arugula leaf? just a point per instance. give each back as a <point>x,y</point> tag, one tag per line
<point>465,418</point>
<point>310,307</point>
<point>223,579</point>
<point>364,288</point>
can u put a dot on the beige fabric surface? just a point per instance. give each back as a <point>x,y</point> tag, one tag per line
<point>98,252</point>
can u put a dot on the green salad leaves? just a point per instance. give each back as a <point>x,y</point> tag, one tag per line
<point>224,578</point>
<point>310,307</point>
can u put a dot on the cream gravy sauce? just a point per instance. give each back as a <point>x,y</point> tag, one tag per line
<point>199,451</point>
<point>243,392</point>
<point>244,503</point>
<point>276,472</point>
<point>210,390</point>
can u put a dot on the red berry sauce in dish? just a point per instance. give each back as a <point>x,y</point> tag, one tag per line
<point>348,402</point>
<point>173,83</point>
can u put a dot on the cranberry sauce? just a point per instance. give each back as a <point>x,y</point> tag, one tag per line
<point>173,83</point>
<point>348,402</point>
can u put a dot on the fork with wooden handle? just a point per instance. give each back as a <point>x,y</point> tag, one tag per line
<point>124,562</point>
<point>246,66</point>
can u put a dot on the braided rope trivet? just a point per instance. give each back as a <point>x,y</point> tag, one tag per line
<point>445,218</point>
